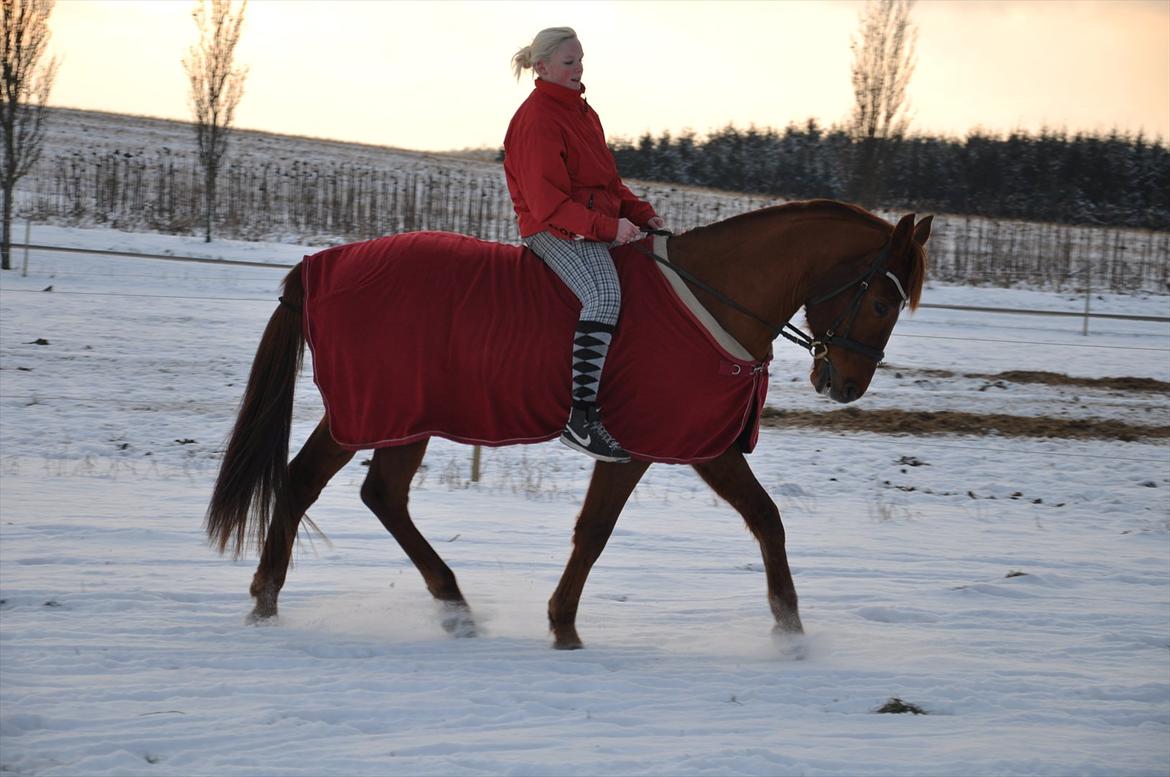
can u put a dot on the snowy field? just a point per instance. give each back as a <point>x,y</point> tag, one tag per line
<point>1018,590</point>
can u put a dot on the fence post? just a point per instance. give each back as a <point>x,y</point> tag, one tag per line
<point>475,454</point>
<point>1088,294</point>
<point>27,238</point>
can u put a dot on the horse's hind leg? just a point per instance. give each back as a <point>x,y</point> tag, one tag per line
<point>309,471</point>
<point>386,492</point>
<point>732,479</point>
<point>609,489</point>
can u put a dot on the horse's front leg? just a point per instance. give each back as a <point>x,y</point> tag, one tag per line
<point>609,489</point>
<point>732,479</point>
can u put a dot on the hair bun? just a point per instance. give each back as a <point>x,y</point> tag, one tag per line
<point>542,47</point>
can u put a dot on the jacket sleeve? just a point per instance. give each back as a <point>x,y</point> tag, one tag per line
<point>636,210</point>
<point>545,185</point>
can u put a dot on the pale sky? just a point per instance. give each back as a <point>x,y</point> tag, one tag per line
<point>435,75</point>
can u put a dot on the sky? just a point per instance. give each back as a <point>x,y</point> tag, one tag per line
<point>436,75</point>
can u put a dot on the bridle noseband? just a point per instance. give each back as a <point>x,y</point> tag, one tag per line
<point>837,334</point>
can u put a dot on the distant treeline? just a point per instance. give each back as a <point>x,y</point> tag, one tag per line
<point>1113,180</point>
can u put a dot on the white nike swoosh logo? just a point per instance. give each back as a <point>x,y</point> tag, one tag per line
<point>584,441</point>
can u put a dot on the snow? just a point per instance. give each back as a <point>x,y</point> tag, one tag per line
<point>124,648</point>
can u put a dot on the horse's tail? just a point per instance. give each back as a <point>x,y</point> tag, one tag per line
<point>253,480</point>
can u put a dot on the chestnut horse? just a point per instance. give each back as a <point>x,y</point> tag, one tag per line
<point>852,272</point>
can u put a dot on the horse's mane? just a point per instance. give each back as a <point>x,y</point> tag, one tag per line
<point>810,208</point>
<point>829,208</point>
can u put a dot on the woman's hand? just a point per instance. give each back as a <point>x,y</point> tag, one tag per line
<point>656,223</point>
<point>627,232</point>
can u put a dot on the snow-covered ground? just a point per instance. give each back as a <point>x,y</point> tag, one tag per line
<point>123,646</point>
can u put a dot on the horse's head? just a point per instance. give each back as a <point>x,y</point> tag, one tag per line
<point>852,319</point>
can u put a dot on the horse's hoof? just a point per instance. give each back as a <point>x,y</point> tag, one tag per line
<point>457,621</point>
<point>265,595</point>
<point>565,638</point>
<point>789,623</point>
<point>568,645</point>
<point>260,617</point>
<point>791,644</point>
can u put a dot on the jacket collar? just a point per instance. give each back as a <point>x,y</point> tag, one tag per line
<point>562,94</point>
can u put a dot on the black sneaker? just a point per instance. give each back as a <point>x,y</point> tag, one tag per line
<point>585,433</point>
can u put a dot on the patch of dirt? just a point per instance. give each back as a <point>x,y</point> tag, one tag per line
<point>1047,378</point>
<point>950,422</point>
<point>897,706</point>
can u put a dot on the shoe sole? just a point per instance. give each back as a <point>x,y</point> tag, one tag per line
<point>598,456</point>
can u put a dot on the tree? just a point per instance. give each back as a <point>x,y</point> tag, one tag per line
<point>26,86</point>
<point>216,88</point>
<point>883,62</point>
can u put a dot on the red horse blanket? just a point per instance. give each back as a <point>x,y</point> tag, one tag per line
<point>430,333</point>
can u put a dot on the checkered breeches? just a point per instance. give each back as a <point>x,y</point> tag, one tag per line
<point>587,269</point>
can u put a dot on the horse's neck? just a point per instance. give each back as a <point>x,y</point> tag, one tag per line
<point>739,264</point>
<point>769,266</point>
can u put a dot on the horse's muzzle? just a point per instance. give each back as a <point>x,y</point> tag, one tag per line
<point>829,385</point>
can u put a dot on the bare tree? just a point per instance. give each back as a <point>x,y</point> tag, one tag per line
<point>883,62</point>
<point>26,86</point>
<point>216,88</point>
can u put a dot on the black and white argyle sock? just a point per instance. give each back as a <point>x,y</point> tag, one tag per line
<point>590,345</point>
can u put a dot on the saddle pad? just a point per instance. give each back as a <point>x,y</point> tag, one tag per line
<point>436,334</point>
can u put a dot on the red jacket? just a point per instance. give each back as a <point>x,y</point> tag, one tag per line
<point>561,174</point>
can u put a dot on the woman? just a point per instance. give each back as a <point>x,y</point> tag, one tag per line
<point>572,205</point>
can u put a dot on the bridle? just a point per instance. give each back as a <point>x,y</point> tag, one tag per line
<point>836,335</point>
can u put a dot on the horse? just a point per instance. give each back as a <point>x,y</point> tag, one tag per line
<point>851,271</point>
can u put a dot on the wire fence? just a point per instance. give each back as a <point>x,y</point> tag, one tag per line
<point>475,477</point>
<point>268,301</point>
<point>331,203</point>
<point>1086,315</point>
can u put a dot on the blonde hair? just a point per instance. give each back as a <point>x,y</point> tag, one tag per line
<point>543,46</point>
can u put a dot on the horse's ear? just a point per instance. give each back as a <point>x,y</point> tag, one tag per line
<point>903,231</point>
<point>922,231</point>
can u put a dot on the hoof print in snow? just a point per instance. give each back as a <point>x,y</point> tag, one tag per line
<point>38,341</point>
<point>53,603</point>
<point>1016,573</point>
<point>896,706</point>
<point>185,441</point>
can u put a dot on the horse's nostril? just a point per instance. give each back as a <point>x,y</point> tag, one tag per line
<point>850,392</point>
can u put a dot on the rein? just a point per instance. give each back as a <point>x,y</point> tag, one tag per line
<point>818,347</point>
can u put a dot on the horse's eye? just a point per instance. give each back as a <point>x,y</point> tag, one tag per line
<point>881,308</point>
